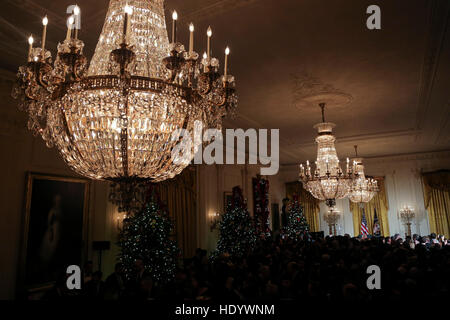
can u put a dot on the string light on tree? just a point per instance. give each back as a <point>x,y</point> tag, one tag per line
<point>146,235</point>
<point>237,231</point>
<point>297,224</point>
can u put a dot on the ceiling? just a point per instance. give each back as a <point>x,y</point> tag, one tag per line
<point>398,77</point>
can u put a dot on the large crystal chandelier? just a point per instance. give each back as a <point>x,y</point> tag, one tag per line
<point>363,189</point>
<point>115,118</point>
<point>328,182</point>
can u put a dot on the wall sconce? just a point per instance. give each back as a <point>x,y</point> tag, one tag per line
<point>407,214</point>
<point>119,221</point>
<point>215,220</point>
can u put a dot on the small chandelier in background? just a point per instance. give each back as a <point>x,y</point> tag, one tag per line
<point>328,181</point>
<point>115,118</point>
<point>331,217</point>
<point>363,189</point>
<point>407,214</point>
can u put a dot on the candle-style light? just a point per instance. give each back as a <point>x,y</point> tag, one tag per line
<point>227,53</point>
<point>70,22</point>
<point>44,32</point>
<point>76,12</point>
<point>205,56</point>
<point>209,34</point>
<point>174,26</point>
<point>30,49</point>
<point>126,23</point>
<point>191,38</point>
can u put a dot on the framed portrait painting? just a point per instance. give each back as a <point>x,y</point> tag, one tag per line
<point>55,228</point>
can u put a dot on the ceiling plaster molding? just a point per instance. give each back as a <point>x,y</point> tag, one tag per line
<point>37,10</point>
<point>438,22</point>
<point>444,154</point>
<point>6,75</point>
<point>362,137</point>
<point>217,8</point>
<point>309,91</point>
<point>445,119</point>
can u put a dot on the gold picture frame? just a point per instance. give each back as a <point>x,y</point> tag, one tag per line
<point>55,229</point>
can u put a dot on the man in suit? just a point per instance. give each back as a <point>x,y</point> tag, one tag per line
<point>115,283</point>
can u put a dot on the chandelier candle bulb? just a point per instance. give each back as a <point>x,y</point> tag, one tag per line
<point>76,12</point>
<point>174,26</point>
<point>227,53</point>
<point>44,32</point>
<point>209,34</point>
<point>30,48</point>
<point>126,23</point>
<point>205,56</point>
<point>70,22</point>
<point>191,38</point>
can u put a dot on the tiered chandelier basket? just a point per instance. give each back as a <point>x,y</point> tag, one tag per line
<point>115,118</point>
<point>328,182</point>
<point>363,189</point>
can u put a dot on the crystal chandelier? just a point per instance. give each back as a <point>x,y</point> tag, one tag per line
<point>328,182</point>
<point>363,189</point>
<point>115,118</point>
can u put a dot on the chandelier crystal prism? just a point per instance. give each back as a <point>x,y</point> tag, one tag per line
<point>328,181</point>
<point>363,189</point>
<point>119,117</point>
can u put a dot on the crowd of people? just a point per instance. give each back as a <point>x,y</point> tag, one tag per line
<point>329,269</point>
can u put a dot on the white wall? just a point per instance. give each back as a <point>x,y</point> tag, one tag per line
<point>403,186</point>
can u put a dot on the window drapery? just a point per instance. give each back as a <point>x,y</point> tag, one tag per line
<point>436,187</point>
<point>180,197</point>
<point>379,203</point>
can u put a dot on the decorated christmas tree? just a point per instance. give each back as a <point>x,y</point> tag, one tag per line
<point>297,223</point>
<point>146,235</point>
<point>237,229</point>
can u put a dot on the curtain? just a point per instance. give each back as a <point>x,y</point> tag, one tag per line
<point>379,203</point>
<point>437,200</point>
<point>310,204</point>
<point>179,195</point>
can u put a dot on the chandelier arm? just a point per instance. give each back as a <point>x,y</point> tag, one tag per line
<point>322,107</point>
<point>225,96</point>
